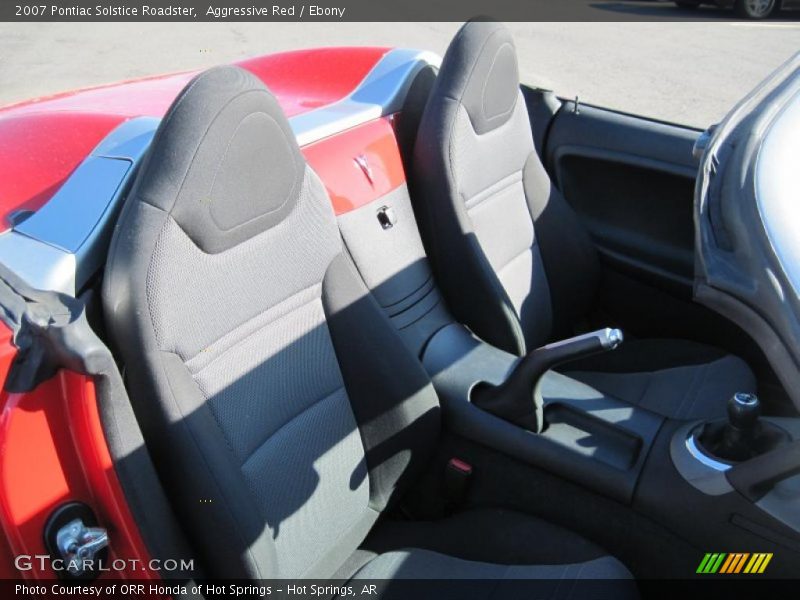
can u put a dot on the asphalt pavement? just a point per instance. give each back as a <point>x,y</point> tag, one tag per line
<point>684,72</point>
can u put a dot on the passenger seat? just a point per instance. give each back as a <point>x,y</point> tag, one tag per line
<point>512,259</point>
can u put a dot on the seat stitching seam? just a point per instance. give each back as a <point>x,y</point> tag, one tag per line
<point>289,195</point>
<point>314,404</point>
<point>491,190</point>
<point>699,387</point>
<point>645,390</point>
<point>224,107</point>
<point>428,283</point>
<point>422,316</point>
<point>485,43</point>
<point>486,83</point>
<point>695,375</point>
<point>514,258</point>
<point>259,329</point>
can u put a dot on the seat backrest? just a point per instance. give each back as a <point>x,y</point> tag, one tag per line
<point>482,189</point>
<point>279,404</point>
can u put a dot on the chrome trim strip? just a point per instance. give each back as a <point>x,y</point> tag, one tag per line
<point>64,243</point>
<point>697,454</point>
<point>381,93</point>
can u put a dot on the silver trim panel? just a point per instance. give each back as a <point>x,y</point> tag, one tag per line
<point>64,243</point>
<point>697,454</point>
<point>70,216</point>
<point>381,93</point>
<point>690,462</point>
<point>41,265</point>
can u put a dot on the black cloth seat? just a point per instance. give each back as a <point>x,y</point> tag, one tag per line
<point>516,555</point>
<point>280,405</point>
<point>511,257</point>
<point>489,535</point>
<point>513,554</point>
<point>676,378</point>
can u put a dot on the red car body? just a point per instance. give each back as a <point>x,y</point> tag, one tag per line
<point>43,140</point>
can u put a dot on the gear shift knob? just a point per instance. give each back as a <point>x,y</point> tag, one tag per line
<point>743,412</point>
<point>745,435</point>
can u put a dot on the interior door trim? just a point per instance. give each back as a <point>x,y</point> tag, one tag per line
<point>618,157</point>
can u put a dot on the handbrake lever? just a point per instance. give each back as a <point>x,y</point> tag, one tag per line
<point>513,400</point>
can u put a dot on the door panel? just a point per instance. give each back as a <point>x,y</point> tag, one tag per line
<point>631,181</point>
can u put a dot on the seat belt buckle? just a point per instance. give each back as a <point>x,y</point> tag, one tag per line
<point>456,481</point>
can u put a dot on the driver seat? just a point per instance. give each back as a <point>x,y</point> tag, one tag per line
<point>511,257</point>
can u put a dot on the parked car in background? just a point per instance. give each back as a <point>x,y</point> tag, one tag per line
<point>748,9</point>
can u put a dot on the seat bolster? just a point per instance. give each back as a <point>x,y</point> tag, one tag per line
<point>573,268</point>
<point>393,401</point>
<point>457,258</point>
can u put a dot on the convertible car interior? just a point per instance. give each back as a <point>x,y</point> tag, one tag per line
<point>477,334</point>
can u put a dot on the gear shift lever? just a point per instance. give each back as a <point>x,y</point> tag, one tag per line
<point>744,435</point>
<point>739,433</point>
<point>743,413</point>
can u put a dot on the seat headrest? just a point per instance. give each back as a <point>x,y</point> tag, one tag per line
<point>224,162</point>
<point>480,70</point>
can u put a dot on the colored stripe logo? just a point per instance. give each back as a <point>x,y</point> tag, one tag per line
<point>734,563</point>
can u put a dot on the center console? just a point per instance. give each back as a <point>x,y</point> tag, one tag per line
<point>730,481</point>
<point>758,457</point>
<point>595,440</point>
